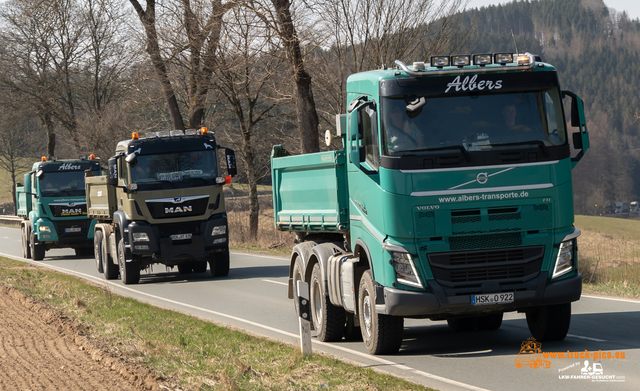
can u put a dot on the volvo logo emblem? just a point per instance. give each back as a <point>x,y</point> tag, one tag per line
<point>482,178</point>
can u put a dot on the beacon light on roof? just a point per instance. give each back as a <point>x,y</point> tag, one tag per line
<point>461,60</point>
<point>440,61</point>
<point>92,157</point>
<point>503,58</point>
<point>482,59</point>
<point>43,159</point>
<point>204,130</point>
<point>134,136</point>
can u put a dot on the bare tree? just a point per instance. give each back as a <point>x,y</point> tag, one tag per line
<point>245,72</point>
<point>193,47</point>
<point>360,35</point>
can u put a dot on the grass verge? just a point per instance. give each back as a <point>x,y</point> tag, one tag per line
<point>200,354</point>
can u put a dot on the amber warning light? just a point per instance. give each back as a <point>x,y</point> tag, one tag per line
<point>44,159</point>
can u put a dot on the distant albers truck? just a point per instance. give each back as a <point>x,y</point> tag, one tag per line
<point>53,206</point>
<point>162,203</point>
<point>451,199</point>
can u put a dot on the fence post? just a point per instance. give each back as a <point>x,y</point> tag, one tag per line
<point>304,316</point>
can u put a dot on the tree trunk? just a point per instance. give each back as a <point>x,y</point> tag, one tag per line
<point>148,19</point>
<point>305,105</point>
<point>51,135</point>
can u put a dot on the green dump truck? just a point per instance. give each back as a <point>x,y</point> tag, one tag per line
<point>53,206</point>
<point>451,199</point>
<point>161,203</point>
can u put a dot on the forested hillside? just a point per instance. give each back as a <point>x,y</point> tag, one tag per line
<point>596,51</point>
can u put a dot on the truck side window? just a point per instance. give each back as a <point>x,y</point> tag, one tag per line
<point>369,136</point>
<point>122,172</point>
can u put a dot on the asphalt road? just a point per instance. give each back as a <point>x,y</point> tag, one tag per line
<point>254,298</point>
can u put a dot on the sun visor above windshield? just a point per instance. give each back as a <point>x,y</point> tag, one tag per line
<point>468,83</point>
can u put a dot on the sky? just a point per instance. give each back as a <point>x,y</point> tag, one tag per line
<point>631,6</point>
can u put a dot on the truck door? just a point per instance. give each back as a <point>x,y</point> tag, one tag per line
<point>363,177</point>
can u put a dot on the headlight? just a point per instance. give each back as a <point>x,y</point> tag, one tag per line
<point>44,228</point>
<point>405,270</point>
<point>565,260</point>
<point>219,230</point>
<point>218,241</point>
<point>140,237</point>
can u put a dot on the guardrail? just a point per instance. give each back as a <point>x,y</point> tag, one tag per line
<point>10,220</point>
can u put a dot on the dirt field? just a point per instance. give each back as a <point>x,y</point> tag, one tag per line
<point>41,350</point>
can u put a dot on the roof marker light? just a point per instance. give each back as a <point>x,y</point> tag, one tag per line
<point>440,61</point>
<point>503,58</point>
<point>482,59</point>
<point>461,60</point>
<point>526,59</point>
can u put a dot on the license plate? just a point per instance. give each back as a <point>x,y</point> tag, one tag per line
<point>72,229</point>
<point>181,236</point>
<point>492,298</point>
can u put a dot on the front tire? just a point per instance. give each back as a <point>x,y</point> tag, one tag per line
<point>37,250</point>
<point>26,250</point>
<point>219,264</point>
<point>328,320</point>
<point>549,323</point>
<point>97,250</point>
<point>129,271</point>
<point>382,334</point>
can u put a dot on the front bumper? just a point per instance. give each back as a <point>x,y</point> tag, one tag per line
<point>436,304</point>
<point>165,249</point>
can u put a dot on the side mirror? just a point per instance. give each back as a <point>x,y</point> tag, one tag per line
<point>132,159</point>
<point>40,174</point>
<point>112,175</point>
<point>230,155</point>
<point>577,141</point>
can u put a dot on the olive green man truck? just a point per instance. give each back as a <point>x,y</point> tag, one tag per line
<point>451,199</point>
<point>161,202</point>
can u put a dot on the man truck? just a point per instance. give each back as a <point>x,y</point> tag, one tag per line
<point>53,206</point>
<point>161,202</point>
<point>461,214</point>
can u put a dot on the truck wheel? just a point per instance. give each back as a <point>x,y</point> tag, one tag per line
<point>184,267</point>
<point>382,334</point>
<point>26,249</point>
<point>199,266</point>
<point>37,250</point>
<point>110,269</point>
<point>328,320</point>
<point>219,264</point>
<point>129,271</point>
<point>463,324</point>
<point>97,250</point>
<point>490,322</point>
<point>549,323</point>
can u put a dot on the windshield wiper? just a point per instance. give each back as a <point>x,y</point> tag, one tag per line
<point>539,143</point>
<point>459,147</point>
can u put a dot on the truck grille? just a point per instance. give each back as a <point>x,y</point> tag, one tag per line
<point>486,220</point>
<point>178,207</point>
<point>472,267</point>
<point>62,226</point>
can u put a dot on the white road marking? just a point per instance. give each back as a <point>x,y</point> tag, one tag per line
<point>587,338</point>
<point>265,327</point>
<point>276,282</point>
<point>613,299</point>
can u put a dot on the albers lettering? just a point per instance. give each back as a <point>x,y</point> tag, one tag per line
<point>68,166</point>
<point>178,209</point>
<point>470,84</point>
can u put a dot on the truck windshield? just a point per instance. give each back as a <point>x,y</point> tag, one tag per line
<point>175,170</point>
<point>474,122</point>
<point>67,183</point>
